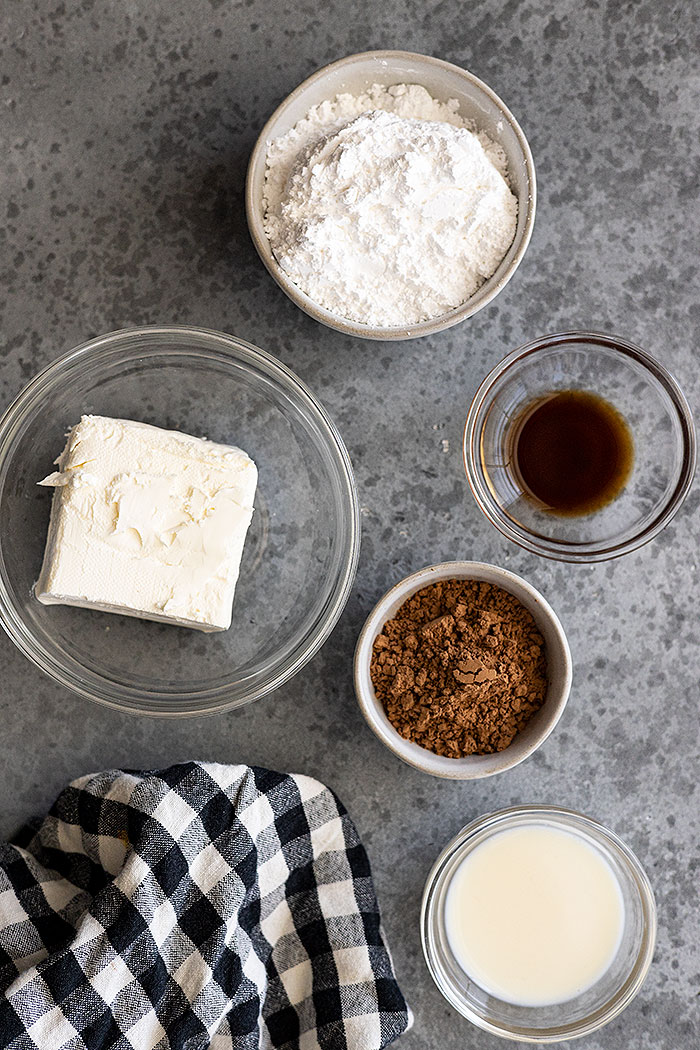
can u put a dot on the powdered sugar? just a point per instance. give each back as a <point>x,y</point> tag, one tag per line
<point>385,208</point>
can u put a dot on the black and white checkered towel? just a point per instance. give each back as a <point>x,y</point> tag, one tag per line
<point>197,906</point>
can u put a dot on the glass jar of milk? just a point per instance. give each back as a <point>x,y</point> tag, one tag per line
<point>538,924</point>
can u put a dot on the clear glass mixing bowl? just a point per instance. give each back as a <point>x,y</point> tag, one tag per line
<point>657,414</point>
<point>594,1007</point>
<point>301,551</point>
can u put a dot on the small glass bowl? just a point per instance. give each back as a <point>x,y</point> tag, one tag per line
<point>589,1011</point>
<point>300,554</point>
<point>641,389</point>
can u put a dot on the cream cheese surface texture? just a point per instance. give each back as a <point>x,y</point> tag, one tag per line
<point>147,522</point>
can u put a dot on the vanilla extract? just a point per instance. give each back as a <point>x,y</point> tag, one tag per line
<point>572,452</point>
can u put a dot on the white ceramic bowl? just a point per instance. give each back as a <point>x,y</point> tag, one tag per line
<point>477,103</point>
<point>538,728</point>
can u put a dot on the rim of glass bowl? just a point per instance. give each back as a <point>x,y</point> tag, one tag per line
<point>564,818</point>
<point>208,344</point>
<point>560,550</point>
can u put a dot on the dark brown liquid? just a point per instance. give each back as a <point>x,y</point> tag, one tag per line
<point>572,452</point>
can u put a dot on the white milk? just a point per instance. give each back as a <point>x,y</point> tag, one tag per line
<point>534,915</point>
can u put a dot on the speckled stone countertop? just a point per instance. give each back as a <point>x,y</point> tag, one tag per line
<point>126,129</point>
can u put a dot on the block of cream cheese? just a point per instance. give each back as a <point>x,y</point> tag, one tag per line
<point>148,523</point>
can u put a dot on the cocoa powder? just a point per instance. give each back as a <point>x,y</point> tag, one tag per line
<point>461,668</point>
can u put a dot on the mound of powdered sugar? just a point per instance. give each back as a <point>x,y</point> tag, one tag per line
<point>385,208</point>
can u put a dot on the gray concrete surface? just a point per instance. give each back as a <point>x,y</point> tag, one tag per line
<point>125,132</point>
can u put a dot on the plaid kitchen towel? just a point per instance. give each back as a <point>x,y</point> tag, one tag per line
<point>198,906</point>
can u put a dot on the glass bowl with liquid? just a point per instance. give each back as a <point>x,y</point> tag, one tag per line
<point>538,924</point>
<point>579,447</point>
